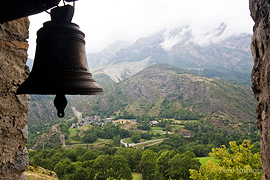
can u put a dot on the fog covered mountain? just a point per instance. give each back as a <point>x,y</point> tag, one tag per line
<point>181,47</point>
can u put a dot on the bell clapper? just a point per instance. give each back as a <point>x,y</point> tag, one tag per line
<point>60,102</point>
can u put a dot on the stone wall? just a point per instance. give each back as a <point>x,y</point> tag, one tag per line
<point>260,47</point>
<point>13,108</point>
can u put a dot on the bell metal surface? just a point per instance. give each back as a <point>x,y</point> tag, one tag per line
<point>60,65</point>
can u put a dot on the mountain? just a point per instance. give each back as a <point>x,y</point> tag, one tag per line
<point>101,58</point>
<point>163,91</point>
<point>42,110</point>
<point>51,138</point>
<point>167,91</point>
<point>215,55</point>
<point>180,47</point>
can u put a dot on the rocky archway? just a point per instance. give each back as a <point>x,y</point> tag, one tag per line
<point>13,56</point>
<point>13,71</point>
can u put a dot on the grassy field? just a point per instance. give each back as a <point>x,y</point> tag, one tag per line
<point>204,159</point>
<point>99,143</point>
<point>72,131</point>
<point>85,127</point>
<point>130,126</point>
<point>136,176</point>
<point>77,131</point>
<point>177,127</point>
<point>184,121</point>
<point>156,128</point>
<point>112,117</point>
<point>39,174</point>
<point>82,128</point>
<point>157,131</point>
<point>128,140</point>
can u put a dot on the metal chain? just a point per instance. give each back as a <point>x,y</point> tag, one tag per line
<point>70,1</point>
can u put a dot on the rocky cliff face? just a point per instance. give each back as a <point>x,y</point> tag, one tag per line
<point>51,139</point>
<point>214,51</point>
<point>13,108</point>
<point>161,90</point>
<point>260,47</point>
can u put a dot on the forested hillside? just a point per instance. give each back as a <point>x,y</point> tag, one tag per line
<point>169,92</point>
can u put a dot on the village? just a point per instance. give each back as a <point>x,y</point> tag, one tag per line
<point>96,120</point>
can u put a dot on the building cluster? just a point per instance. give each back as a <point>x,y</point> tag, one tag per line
<point>96,120</point>
<point>153,122</point>
<point>91,120</point>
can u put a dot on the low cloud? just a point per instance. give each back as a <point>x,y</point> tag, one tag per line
<point>197,35</point>
<point>107,21</point>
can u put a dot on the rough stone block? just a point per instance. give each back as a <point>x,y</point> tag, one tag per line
<point>13,108</point>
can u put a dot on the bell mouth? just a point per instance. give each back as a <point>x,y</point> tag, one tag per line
<point>60,84</point>
<point>68,82</point>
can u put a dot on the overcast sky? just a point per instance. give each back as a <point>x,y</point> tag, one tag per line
<point>106,21</point>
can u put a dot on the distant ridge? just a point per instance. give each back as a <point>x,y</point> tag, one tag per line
<point>214,51</point>
<point>163,89</point>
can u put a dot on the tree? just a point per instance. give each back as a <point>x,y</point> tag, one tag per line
<point>148,165</point>
<point>133,156</point>
<point>60,167</point>
<point>179,165</point>
<point>89,155</point>
<point>135,138</point>
<point>80,174</point>
<point>95,107</point>
<point>120,169</point>
<point>163,163</point>
<point>116,140</point>
<point>72,155</point>
<point>90,173</point>
<point>102,166</point>
<point>90,138</point>
<point>240,164</point>
<point>145,127</point>
<point>70,169</point>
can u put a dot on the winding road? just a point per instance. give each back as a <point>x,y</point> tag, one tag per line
<point>134,144</point>
<point>155,140</point>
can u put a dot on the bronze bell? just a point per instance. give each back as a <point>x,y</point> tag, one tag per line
<point>60,65</point>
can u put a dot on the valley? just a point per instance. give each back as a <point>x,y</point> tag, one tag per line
<point>175,102</point>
